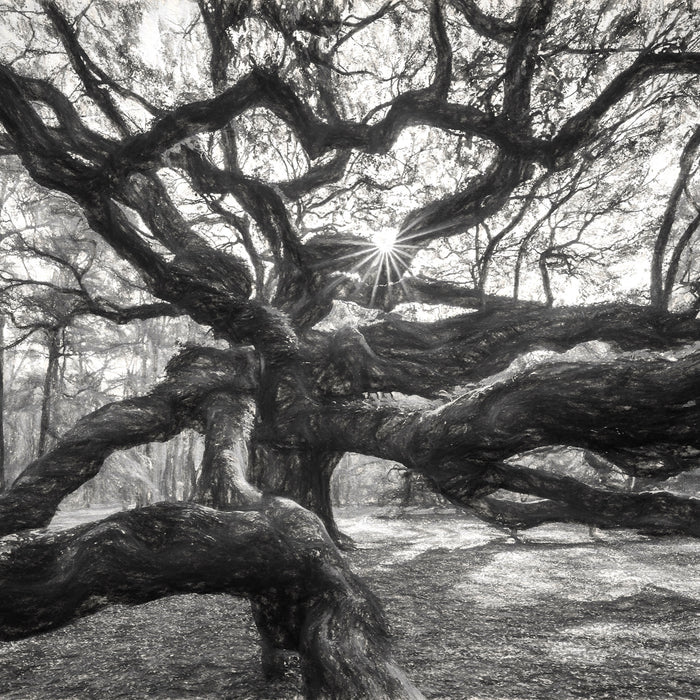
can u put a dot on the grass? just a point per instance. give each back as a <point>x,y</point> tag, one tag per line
<point>475,616</point>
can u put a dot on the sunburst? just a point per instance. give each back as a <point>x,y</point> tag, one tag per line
<point>381,260</point>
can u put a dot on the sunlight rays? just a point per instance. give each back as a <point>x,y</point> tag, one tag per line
<point>380,261</point>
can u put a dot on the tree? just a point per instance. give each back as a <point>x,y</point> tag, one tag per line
<point>260,164</point>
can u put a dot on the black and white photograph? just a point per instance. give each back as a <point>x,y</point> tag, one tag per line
<point>349,349</point>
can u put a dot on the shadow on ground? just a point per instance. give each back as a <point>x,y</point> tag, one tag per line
<point>475,615</point>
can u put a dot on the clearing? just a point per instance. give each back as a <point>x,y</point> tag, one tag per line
<point>475,616</point>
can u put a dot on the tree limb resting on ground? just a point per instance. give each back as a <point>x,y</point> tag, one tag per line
<point>333,621</point>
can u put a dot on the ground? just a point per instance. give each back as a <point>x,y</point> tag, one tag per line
<point>475,616</point>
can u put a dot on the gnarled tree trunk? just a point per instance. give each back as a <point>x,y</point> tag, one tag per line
<point>302,475</point>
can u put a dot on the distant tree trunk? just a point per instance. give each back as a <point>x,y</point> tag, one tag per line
<point>168,478</point>
<point>546,281</point>
<point>190,467</point>
<point>55,347</point>
<point>339,480</point>
<point>407,490</point>
<point>675,261</point>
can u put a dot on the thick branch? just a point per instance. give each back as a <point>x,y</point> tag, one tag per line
<point>483,197</point>
<point>658,512</point>
<point>126,314</point>
<point>84,67</point>
<point>423,290</point>
<point>637,412</point>
<point>443,69</point>
<point>484,24</point>
<point>429,357</point>
<point>520,516</point>
<point>142,555</point>
<point>531,21</point>
<point>165,411</point>
<point>581,128</point>
<point>210,285</point>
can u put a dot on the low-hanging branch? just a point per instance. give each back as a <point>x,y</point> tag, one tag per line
<point>649,511</point>
<point>145,554</point>
<point>639,413</point>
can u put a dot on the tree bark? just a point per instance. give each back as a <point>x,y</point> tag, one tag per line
<point>228,424</point>
<point>429,358</point>
<point>336,624</point>
<point>650,512</point>
<point>302,475</point>
<point>642,416</point>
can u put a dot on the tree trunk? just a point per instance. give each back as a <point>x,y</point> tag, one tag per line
<point>546,281</point>
<point>223,481</point>
<point>407,488</point>
<point>50,388</point>
<point>331,618</point>
<point>302,475</point>
<point>190,469</point>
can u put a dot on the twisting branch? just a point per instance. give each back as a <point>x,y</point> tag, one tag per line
<point>530,24</point>
<point>640,414</point>
<point>443,69</point>
<point>427,358</point>
<point>484,24</point>
<point>167,410</point>
<point>141,555</point>
<point>83,67</point>
<point>581,128</point>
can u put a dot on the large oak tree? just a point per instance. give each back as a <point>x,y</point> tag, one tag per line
<point>263,164</point>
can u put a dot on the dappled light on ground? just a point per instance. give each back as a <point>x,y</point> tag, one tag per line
<point>385,529</point>
<point>475,614</point>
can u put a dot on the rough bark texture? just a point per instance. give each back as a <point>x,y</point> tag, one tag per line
<point>427,358</point>
<point>309,386</point>
<point>304,476</point>
<point>640,414</point>
<point>136,556</point>
<point>650,512</point>
<point>228,422</point>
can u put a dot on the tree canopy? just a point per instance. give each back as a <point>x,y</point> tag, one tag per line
<point>455,234</point>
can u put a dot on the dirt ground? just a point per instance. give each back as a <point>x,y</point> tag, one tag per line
<point>475,616</point>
